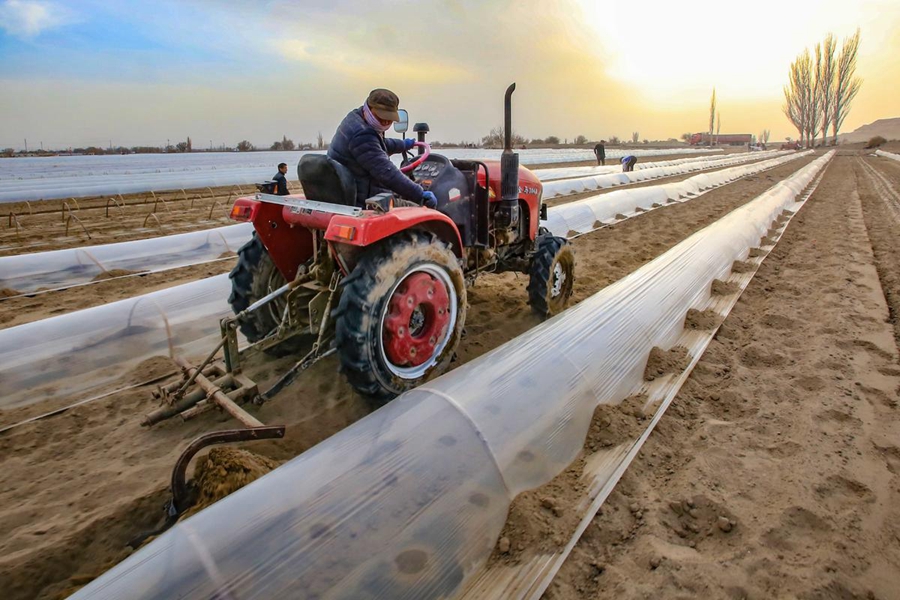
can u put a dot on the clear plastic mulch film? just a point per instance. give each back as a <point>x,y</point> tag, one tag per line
<point>58,268</point>
<point>80,351</point>
<point>890,155</point>
<point>45,178</point>
<point>694,163</point>
<point>65,354</point>
<point>585,215</point>
<point>409,501</point>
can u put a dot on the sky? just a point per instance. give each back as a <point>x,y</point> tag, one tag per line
<point>94,72</point>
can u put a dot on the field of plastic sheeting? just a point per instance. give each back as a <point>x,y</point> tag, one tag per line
<point>552,174</point>
<point>588,214</point>
<point>28,382</point>
<point>890,155</point>
<point>57,269</point>
<point>409,501</point>
<point>586,184</point>
<point>29,272</point>
<point>83,176</point>
<point>79,351</point>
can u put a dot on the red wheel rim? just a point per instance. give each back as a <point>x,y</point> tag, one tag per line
<point>417,320</point>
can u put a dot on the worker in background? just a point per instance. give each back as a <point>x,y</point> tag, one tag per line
<point>628,163</point>
<point>359,144</point>
<point>600,153</point>
<point>281,186</point>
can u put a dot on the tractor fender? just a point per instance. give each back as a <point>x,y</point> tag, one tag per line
<point>372,227</point>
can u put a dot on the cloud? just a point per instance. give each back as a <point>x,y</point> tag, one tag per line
<point>29,18</point>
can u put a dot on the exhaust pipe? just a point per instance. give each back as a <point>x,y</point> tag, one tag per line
<point>508,214</point>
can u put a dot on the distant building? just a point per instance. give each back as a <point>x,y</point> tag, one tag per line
<point>724,139</point>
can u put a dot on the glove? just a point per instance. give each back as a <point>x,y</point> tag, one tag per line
<point>408,143</point>
<point>429,200</point>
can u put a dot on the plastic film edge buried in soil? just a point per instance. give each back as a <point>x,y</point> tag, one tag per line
<point>408,501</point>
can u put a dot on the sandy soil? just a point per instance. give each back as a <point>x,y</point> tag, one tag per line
<point>75,488</point>
<point>776,471</point>
<point>883,222</point>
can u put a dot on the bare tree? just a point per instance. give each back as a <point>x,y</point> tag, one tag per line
<point>846,84</point>
<point>712,114</point>
<point>613,140</point>
<point>814,99</point>
<point>581,140</point>
<point>245,146</point>
<point>635,136</point>
<point>286,143</point>
<point>686,137</point>
<point>320,141</point>
<point>495,138</point>
<point>766,133</point>
<point>825,74</point>
<point>794,106</point>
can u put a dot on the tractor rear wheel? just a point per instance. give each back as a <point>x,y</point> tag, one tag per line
<point>552,276</point>
<point>400,316</point>
<point>254,276</point>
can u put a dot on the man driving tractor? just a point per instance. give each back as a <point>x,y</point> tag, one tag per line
<point>359,144</point>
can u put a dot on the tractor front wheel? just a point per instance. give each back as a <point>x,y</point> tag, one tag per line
<point>552,276</point>
<point>400,316</point>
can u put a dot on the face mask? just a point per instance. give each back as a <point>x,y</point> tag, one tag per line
<point>373,121</point>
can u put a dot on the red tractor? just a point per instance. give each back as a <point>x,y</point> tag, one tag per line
<point>384,285</point>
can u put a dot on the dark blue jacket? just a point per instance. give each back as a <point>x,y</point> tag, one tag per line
<point>364,151</point>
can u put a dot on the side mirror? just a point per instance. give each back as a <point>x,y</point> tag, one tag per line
<point>403,124</point>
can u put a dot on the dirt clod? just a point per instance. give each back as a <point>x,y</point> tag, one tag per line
<point>723,288</point>
<point>705,320</point>
<point>663,362</point>
<point>740,266</point>
<point>225,470</point>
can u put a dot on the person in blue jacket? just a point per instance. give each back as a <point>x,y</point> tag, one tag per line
<point>628,163</point>
<point>359,144</point>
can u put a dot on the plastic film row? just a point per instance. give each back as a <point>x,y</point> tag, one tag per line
<point>890,155</point>
<point>567,187</point>
<point>49,270</point>
<point>588,214</point>
<point>80,351</point>
<point>408,502</point>
<point>552,174</point>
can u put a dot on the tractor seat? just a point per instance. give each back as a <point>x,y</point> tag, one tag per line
<point>326,180</point>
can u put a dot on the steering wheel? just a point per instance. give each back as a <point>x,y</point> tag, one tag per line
<point>419,160</point>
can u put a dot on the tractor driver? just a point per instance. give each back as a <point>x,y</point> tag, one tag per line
<point>359,144</point>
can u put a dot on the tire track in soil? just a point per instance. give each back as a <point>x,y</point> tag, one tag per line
<point>883,226</point>
<point>774,473</point>
<point>92,461</point>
